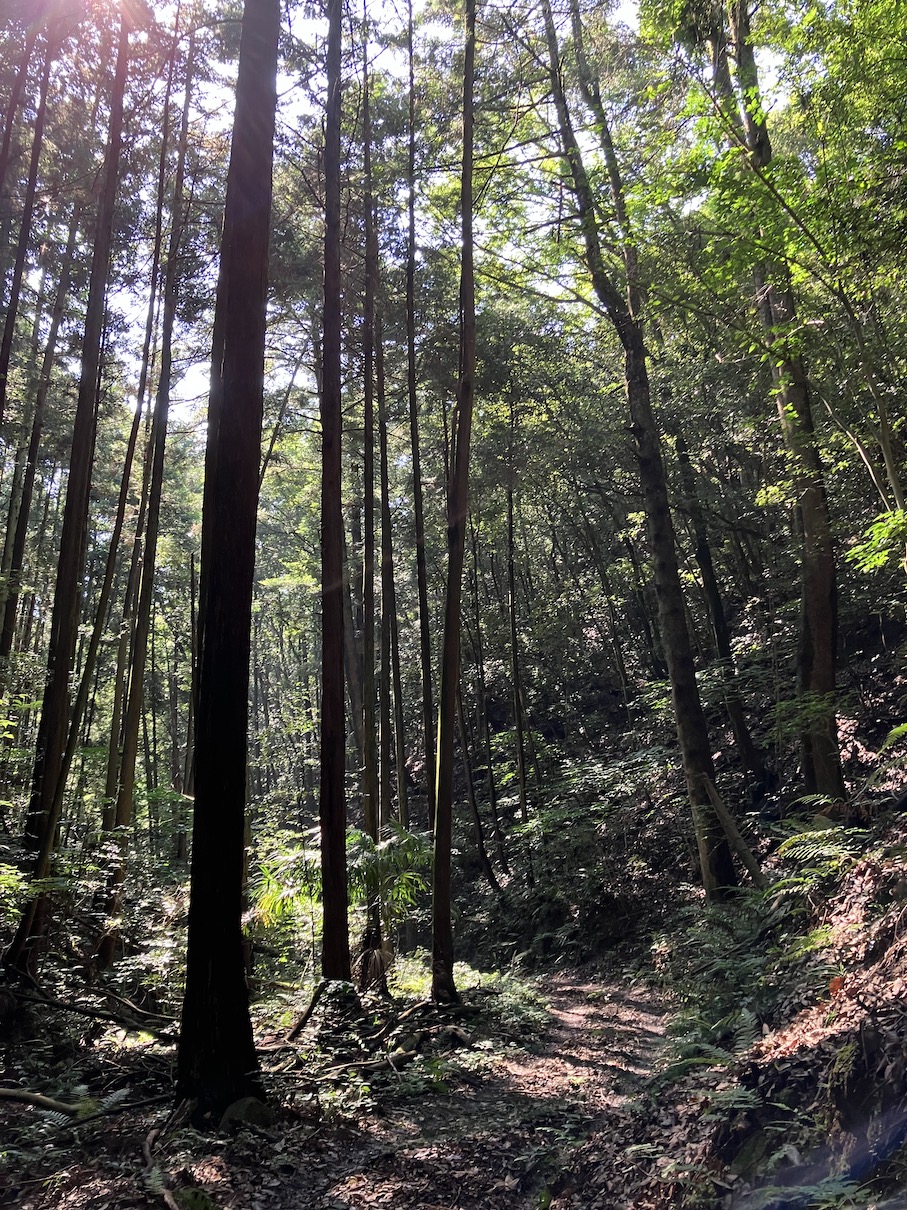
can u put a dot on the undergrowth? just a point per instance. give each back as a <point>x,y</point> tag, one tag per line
<point>781,1115</point>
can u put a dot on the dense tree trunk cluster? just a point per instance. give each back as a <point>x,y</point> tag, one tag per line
<point>514,382</point>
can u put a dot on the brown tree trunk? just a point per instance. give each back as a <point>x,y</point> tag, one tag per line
<point>391,679</point>
<point>216,1060</point>
<point>622,309</point>
<point>41,823</point>
<point>820,754</point>
<point>482,688</point>
<point>135,698</point>
<point>752,759</point>
<point>370,795</point>
<point>443,988</point>
<point>25,226</point>
<point>477,831</point>
<point>17,560</point>
<point>369,964</point>
<point>335,954</point>
<point>515,650</point>
<point>428,717</point>
<point>9,117</point>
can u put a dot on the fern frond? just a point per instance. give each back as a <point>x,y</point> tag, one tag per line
<point>114,1098</point>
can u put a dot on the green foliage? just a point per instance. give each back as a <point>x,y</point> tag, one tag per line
<point>288,882</point>
<point>883,544</point>
<point>822,852</point>
<point>894,736</point>
<point>13,888</point>
<point>792,716</point>
<point>391,873</point>
<point>286,890</point>
<point>832,1193</point>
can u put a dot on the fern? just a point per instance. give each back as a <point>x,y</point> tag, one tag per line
<point>895,734</point>
<point>731,1100</point>
<point>825,850</point>
<point>154,1181</point>
<point>746,1030</point>
<point>834,1193</point>
<point>114,1098</point>
<point>55,1118</point>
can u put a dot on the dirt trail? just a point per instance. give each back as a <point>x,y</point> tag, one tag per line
<point>499,1131</point>
<point>506,1139</point>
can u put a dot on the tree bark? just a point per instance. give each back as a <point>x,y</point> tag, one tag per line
<point>391,679</point>
<point>443,988</point>
<point>9,118</point>
<point>41,823</point>
<point>135,698</point>
<point>623,311</point>
<point>428,718</point>
<point>216,1060</point>
<point>335,955</point>
<point>20,538</point>
<point>820,754</point>
<point>515,650</point>
<point>25,226</point>
<point>752,759</point>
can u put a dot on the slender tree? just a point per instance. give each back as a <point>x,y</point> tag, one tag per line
<point>25,224</point>
<point>428,718</point>
<point>335,955</point>
<point>126,788</point>
<point>624,311</point>
<point>817,653</point>
<point>17,557</point>
<point>216,1061</point>
<point>41,823</point>
<point>443,988</point>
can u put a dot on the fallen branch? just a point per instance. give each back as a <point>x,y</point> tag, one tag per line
<point>147,1148</point>
<point>113,1109</point>
<point>142,1012</point>
<point>37,1098</point>
<point>392,1024</point>
<point>736,841</point>
<point>98,1014</point>
<point>403,1056</point>
<point>304,1019</point>
<point>53,1106</point>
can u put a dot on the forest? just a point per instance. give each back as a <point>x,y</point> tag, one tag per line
<point>453,706</point>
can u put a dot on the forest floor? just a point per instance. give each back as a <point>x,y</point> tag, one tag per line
<point>496,1127</point>
<point>773,1077</point>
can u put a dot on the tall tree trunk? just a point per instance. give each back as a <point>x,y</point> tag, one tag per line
<point>428,717</point>
<point>25,226</point>
<point>715,858</point>
<point>41,823</point>
<point>351,662</point>
<point>752,759</point>
<point>820,754</point>
<point>482,688</point>
<point>114,751</point>
<point>216,1060</point>
<point>478,833</point>
<point>17,559</point>
<point>126,779</point>
<point>9,117</point>
<point>370,797</point>
<point>370,967</point>
<point>391,679</point>
<point>515,649</point>
<point>443,988</point>
<point>335,955</point>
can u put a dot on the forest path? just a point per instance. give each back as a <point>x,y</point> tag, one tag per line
<point>541,1126</point>
<point>505,1137</point>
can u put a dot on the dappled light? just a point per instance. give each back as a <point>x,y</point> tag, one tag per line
<point>453,647</point>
